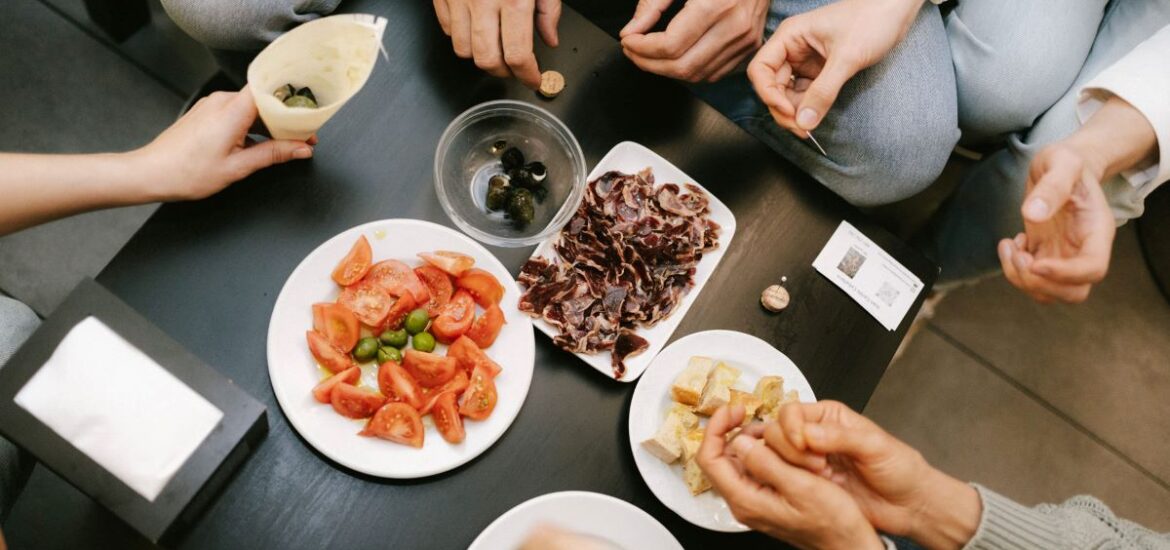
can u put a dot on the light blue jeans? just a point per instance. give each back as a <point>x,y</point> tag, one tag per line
<point>17,322</point>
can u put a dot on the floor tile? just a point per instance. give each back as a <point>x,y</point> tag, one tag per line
<point>976,426</point>
<point>1105,363</point>
<point>68,93</point>
<point>161,47</point>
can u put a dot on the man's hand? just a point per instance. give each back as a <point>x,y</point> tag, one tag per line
<point>1068,229</point>
<point>498,35</point>
<point>206,150</point>
<point>801,69</point>
<point>784,501</point>
<point>895,488</point>
<point>706,40</point>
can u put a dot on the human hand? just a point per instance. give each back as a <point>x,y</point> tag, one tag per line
<point>497,34</point>
<point>206,150</point>
<point>803,66</point>
<point>781,500</point>
<point>1068,228</point>
<point>893,485</point>
<point>706,40</point>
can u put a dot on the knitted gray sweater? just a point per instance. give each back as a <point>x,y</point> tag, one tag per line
<point>1080,522</point>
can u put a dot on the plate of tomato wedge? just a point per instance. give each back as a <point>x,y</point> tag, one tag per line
<point>396,349</point>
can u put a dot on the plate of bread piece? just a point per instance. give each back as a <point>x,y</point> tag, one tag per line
<point>686,383</point>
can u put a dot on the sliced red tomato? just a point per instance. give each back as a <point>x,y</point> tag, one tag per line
<point>447,418</point>
<point>486,327</point>
<point>438,285</point>
<point>354,402</point>
<point>398,279</point>
<point>355,264</point>
<point>468,355</point>
<point>398,312</point>
<point>396,422</point>
<point>327,355</point>
<point>482,285</point>
<point>455,385</point>
<point>428,368</point>
<point>451,262</point>
<point>323,392</point>
<point>478,402</point>
<point>398,385</point>
<point>368,302</point>
<point>338,324</point>
<point>455,318</point>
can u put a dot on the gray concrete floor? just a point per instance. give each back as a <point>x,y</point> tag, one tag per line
<point>1038,402</point>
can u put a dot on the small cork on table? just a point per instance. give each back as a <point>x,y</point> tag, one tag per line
<point>551,84</point>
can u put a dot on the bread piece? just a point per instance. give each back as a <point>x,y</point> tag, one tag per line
<point>696,481</point>
<point>691,442</point>
<point>688,385</point>
<point>666,444</point>
<point>750,404</point>
<point>789,396</point>
<point>717,392</point>
<point>770,390</point>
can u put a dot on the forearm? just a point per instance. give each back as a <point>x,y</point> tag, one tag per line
<point>39,188</point>
<point>1116,138</point>
<point>950,515</point>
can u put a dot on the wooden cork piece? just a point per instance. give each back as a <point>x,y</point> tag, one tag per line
<point>551,84</point>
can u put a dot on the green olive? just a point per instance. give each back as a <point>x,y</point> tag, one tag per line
<point>521,207</point>
<point>423,341</point>
<point>416,322</point>
<point>497,194</point>
<point>366,349</point>
<point>300,101</point>
<point>389,354</point>
<point>396,338</point>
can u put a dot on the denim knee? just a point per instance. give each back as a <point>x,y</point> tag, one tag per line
<point>888,170</point>
<point>242,26</point>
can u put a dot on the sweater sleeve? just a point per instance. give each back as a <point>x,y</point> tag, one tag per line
<point>1080,522</point>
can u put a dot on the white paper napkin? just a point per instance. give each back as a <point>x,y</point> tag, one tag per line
<point>119,407</point>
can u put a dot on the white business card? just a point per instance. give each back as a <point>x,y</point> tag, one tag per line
<point>869,275</point>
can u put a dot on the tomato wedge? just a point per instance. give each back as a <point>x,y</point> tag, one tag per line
<point>438,285</point>
<point>338,324</point>
<point>398,279</point>
<point>486,327</point>
<point>482,285</point>
<point>323,392</point>
<point>447,419</point>
<point>428,368</point>
<point>479,400</point>
<point>468,355</point>
<point>327,355</point>
<point>354,402</point>
<point>368,302</point>
<point>398,312</point>
<point>455,385</point>
<point>355,264</point>
<point>455,318</point>
<point>451,262</point>
<point>398,385</point>
<point>396,422</point>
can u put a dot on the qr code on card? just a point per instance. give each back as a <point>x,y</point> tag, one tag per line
<point>851,263</point>
<point>888,294</point>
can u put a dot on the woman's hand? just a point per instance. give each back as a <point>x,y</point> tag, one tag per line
<point>206,150</point>
<point>706,40</point>
<point>803,66</point>
<point>1068,229</point>
<point>498,34</point>
<point>777,498</point>
<point>894,486</point>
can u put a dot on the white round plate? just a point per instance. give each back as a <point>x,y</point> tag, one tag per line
<point>612,520</point>
<point>294,372</point>
<point>755,358</point>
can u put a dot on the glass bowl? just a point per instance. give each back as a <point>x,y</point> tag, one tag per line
<point>466,159</point>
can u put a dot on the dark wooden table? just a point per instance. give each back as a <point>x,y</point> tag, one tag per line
<point>209,272</point>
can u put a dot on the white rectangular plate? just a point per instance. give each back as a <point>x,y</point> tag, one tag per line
<point>630,157</point>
